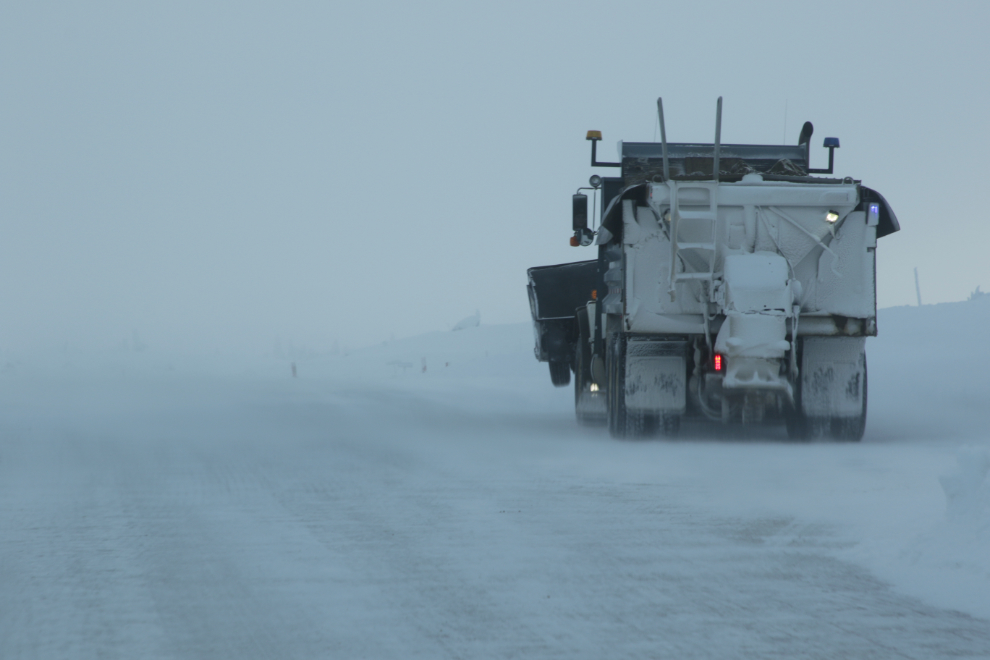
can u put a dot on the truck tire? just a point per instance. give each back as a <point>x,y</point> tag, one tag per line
<point>845,429</point>
<point>621,422</point>
<point>851,429</point>
<point>580,382</point>
<point>615,355</point>
<point>587,404</point>
<point>560,373</point>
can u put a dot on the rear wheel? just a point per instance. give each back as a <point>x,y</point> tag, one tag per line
<point>588,401</point>
<point>845,429</point>
<point>622,422</point>
<point>851,429</point>
<point>615,354</point>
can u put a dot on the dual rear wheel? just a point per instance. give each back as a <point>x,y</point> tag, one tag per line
<point>622,422</point>
<point>845,429</point>
<point>625,423</point>
<point>589,399</point>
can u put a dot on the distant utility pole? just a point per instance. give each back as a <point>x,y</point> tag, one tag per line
<point>784,141</point>
<point>917,287</point>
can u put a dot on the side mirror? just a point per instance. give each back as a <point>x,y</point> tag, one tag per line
<point>580,212</point>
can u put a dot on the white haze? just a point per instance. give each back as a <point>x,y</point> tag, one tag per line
<point>232,176</point>
<point>434,497</point>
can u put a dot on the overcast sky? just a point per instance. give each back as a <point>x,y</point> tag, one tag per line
<point>219,175</point>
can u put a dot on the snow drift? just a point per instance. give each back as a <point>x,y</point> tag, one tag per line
<point>911,503</point>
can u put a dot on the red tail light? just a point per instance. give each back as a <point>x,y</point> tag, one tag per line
<point>718,362</point>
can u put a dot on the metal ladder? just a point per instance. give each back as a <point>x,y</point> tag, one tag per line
<point>677,217</point>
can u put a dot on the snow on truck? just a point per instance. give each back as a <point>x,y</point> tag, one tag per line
<point>730,285</point>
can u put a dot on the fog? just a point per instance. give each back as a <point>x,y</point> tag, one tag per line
<point>242,176</point>
<point>434,497</point>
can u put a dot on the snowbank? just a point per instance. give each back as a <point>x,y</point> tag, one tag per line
<point>948,563</point>
<point>967,489</point>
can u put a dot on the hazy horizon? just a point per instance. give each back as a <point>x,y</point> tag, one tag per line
<point>238,174</point>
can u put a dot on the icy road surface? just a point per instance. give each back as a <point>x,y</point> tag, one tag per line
<point>368,509</point>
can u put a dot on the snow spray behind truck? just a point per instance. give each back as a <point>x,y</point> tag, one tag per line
<point>730,284</point>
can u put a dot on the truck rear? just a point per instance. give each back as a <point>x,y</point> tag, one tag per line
<point>731,284</point>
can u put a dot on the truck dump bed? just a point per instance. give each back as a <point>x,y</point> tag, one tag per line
<point>554,293</point>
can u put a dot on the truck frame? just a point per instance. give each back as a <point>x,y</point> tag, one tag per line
<point>730,285</point>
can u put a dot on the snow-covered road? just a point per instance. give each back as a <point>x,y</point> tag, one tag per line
<point>460,512</point>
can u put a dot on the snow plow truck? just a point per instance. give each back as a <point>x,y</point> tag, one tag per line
<point>733,283</point>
